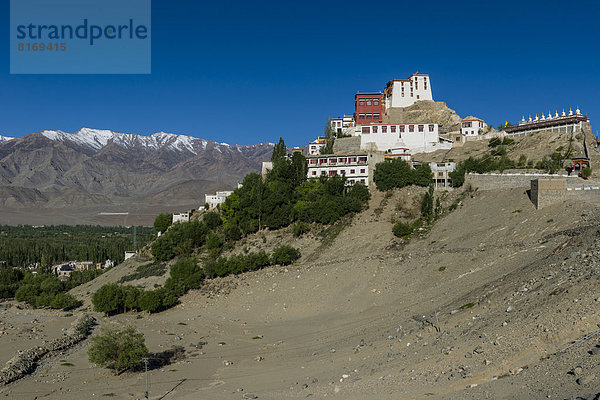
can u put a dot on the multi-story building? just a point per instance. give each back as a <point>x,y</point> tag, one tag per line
<point>368,108</point>
<point>441,173</point>
<point>214,200</point>
<point>314,148</point>
<point>418,138</point>
<point>471,126</point>
<point>182,217</point>
<point>356,166</point>
<point>406,92</point>
<point>340,123</point>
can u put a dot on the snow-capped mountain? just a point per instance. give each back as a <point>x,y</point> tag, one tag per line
<point>96,139</point>
<point>5,138</point>
<point>100,166</point>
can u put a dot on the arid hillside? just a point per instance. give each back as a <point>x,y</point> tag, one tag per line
<point>480,306</point>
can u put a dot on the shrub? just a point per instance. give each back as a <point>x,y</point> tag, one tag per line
<point>214,242</point>
<point>300,228</point>
<point>285,255</point>
<point>145,271</point>
<point>586,172</point>
<point>117,349</point>
<point>402,229</point>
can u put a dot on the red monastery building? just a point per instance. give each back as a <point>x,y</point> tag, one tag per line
<point>368,108</point>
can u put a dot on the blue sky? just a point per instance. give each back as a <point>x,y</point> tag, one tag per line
<point>248,72</point>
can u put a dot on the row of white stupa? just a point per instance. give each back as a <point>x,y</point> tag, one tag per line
<point>544,117</point>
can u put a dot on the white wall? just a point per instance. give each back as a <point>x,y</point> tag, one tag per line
<point>418,93</point>
<point>472,130</point>
<point>417,142</point>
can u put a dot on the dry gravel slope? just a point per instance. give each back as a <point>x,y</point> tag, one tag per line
<point>356,319</point>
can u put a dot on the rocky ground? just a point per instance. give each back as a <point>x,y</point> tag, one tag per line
<point>480,306</point>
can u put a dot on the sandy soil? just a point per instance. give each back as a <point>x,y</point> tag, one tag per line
<point>476,308</point>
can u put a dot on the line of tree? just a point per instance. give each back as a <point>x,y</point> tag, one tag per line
<point>42,290</point>
<point>186,274</point>
<point>25,246</point>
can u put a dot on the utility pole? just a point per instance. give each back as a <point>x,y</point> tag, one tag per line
<point>436,315</point>
<point>146,369</point>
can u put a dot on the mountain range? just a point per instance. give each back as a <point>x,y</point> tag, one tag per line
<point>106,171</point>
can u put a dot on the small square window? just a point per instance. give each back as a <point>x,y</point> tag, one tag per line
<point>421,128</point>
<point>411,128</point>
<point>384,129</point>
<point>369,116</point>
<point>375,129</point>
<point>393,128</point>
<point>362,171</point>
<point>401,128</point>
<point>431,128</point>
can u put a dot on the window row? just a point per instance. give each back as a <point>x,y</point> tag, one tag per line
<point>368,102</point>
<point>395,128</point>
<point>341,172</point>
<point>368,116</point>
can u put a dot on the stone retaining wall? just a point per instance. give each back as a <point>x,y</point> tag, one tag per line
<point>25,362</point>
<point>508,181</point>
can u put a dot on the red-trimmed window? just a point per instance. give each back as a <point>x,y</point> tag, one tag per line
<point>401,128</point>
<point>369,116</point>
<point>361,116</point>
<point>362,170</point>
<point>431,128</point>
<point>411,128</point>
<point>352,171</point>
<point>366,129</point>
<point>342,172</point>
<point>376,116</point>
<point>376,102</point>
<point>361,102</point>
<point>421,128</point>
<point>384,129</point>
<point>393,128</point>
<point>314,172</point>
<point>375,129</point>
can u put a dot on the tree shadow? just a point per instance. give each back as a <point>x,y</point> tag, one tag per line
<point>167,357</point>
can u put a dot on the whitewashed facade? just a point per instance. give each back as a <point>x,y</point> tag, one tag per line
<point>181,217</point>
<point>214,200</point>
<point>406,92</point>
<point>472,127</point>
<point>356,167</point>
<point>417,138</point>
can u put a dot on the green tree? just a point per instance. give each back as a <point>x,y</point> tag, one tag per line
<point>150,301</point>
<point>108,299</point>
<point>64,301</point>
<point>279,151</point>
<point>427,209</point>
<point>118,349</point>
<point>392,174</point>
<point>162,222</point>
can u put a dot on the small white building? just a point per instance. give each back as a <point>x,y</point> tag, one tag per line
<point>182,217</point>
<point>406,92</point>
<point>214,200</point>
<point>472,126</point>
<point>417,138</point>
<point>339,123</point>
<point>441,173</point>
<point>129,254</point>
<point>314,148</point>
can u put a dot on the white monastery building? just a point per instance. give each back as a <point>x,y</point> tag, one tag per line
<point>214,200</point>
<point>405,92</point>
<point>355,166</point>
<point>416,138</point>
<point>340,123</point>
<point>182,217</point>
<point>471,126</point>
